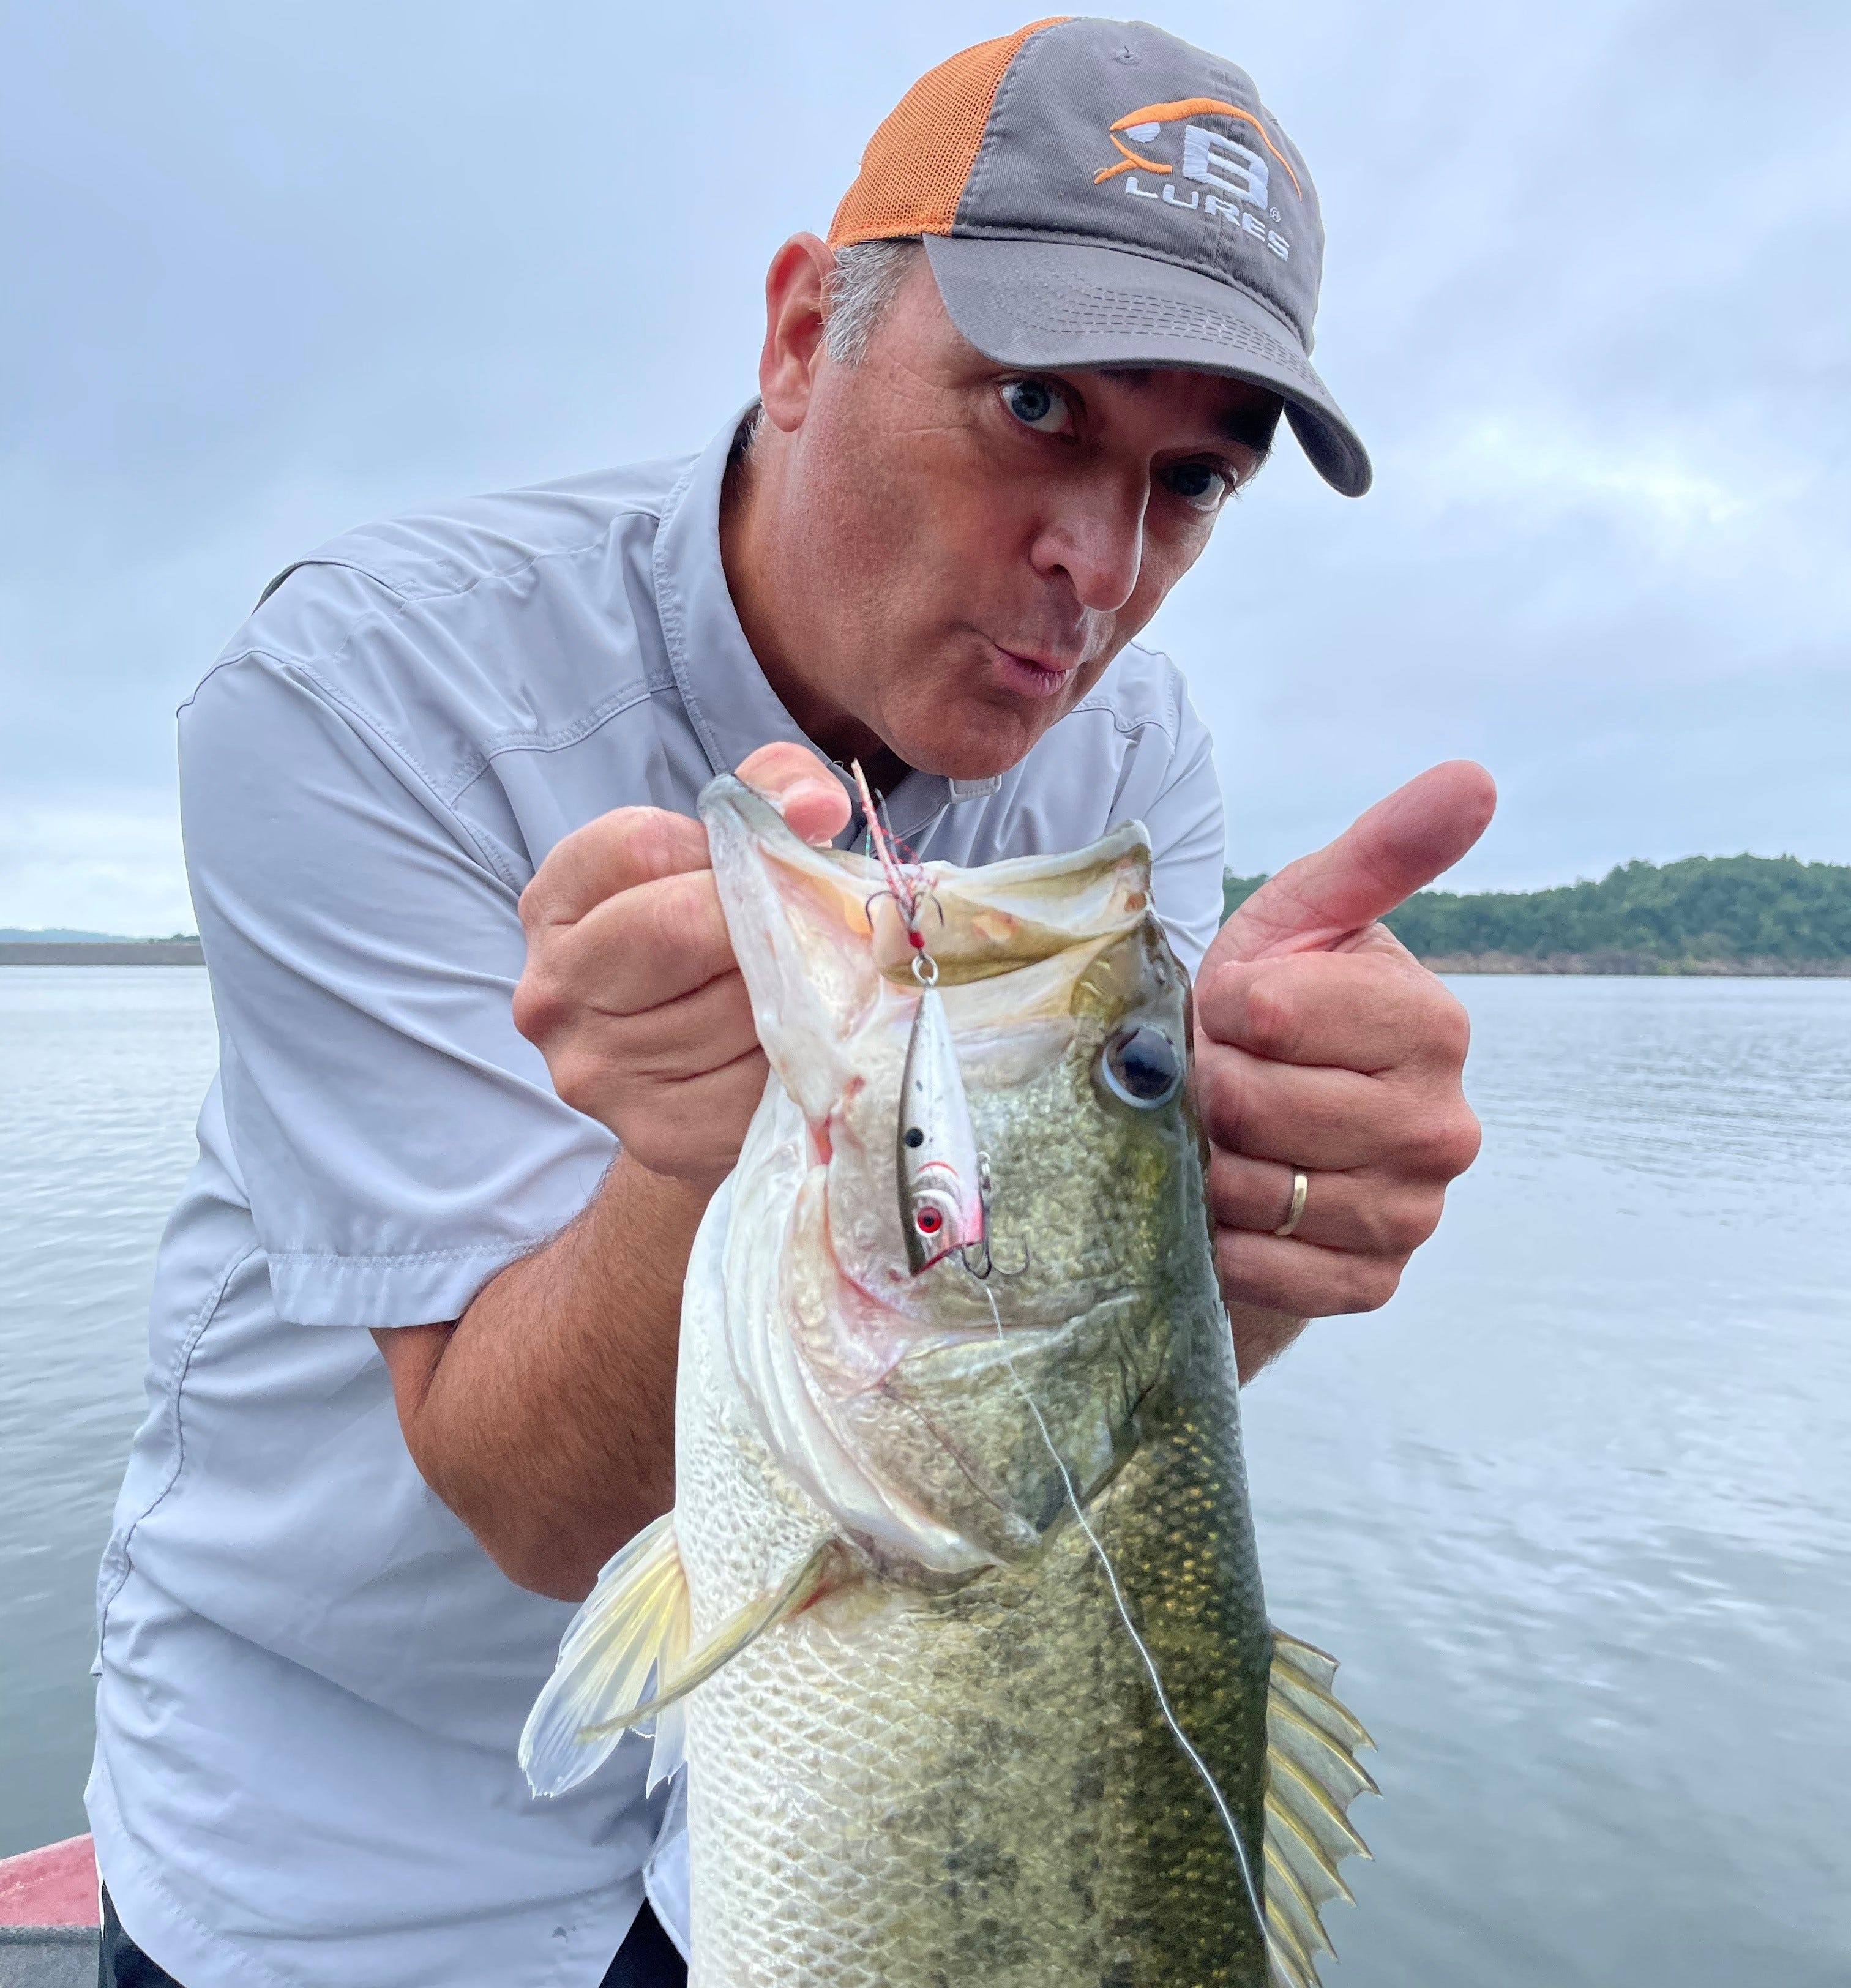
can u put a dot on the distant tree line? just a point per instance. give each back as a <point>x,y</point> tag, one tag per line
<point>1704,908</point>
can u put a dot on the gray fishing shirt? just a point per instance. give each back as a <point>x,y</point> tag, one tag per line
<point>312,1678</point>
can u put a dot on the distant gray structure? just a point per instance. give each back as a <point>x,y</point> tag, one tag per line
<point>101,952</point>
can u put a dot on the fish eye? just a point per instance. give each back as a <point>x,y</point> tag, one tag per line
<point>1143,1066</point>
<point>915,1136</point>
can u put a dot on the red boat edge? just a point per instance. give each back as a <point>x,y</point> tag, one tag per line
<point>53,1886</point>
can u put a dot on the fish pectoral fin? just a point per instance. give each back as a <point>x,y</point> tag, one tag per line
<point>633,1627</point>
<point>791,1597</point>
<point>626,1660</point>
<point>1312,1777</point>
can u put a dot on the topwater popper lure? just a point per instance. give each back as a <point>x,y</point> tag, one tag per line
<point>944,1179</point>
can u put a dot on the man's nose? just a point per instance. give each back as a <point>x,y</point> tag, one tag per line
<point>1096,538</point>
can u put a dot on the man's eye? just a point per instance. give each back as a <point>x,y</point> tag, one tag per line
<point>1201,484</point>
<point>1037,405</point>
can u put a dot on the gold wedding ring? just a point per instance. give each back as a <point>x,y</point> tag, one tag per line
<point>1301,1188</point>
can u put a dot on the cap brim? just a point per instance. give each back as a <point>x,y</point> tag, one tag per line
<point>1054,304</point>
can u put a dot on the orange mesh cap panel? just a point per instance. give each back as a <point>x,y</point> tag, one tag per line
<point>913,171</point>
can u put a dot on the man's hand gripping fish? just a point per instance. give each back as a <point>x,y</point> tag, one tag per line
<point>957,1620</point>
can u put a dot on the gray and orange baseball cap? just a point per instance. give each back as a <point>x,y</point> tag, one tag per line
<point>1098,193</point>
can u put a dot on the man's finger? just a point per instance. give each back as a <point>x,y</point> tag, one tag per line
<point>1333,1120</point>
<point>808,795</point>
<point>700,1139</point>
<point>637,845</point>
<point>1285,1274</point>
<point>673,1040</point>
<point>615,852</point>
<point>1326,1119</point>
<point>1369,1010</point>
<point>1357,1213</point>
<point>656,942</point>
<point>1382,857</point>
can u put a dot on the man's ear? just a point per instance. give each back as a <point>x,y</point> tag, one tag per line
<point>795,304</point>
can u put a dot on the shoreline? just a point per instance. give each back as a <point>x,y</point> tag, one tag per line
<point>101,952</point>
<point>187,952</point>
<point>1638,965</point>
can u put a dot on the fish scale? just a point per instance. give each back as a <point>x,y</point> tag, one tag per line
<point>987,1789</point>
<point>935,1530</point>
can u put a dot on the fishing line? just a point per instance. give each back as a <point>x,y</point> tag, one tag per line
<point>1131,1629</point>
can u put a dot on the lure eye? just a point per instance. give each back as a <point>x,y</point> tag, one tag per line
<point>915,1136</point>
<point>1143,1066</point>
<point>929,1220</point>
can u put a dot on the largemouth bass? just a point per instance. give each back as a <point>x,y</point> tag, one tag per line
<point>957,1622</point>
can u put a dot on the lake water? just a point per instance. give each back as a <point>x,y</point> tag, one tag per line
<point>1575,1511</point>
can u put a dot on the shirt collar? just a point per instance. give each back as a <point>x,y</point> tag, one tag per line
<point>732,708</point>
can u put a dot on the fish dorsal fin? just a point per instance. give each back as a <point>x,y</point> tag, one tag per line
<point>1312,1777</point>
<point>626,1659</point>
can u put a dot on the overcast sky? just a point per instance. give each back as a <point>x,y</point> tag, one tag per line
<point>272,270</point>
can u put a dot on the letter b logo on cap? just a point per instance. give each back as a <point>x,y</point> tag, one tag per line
<point>1224,162</point>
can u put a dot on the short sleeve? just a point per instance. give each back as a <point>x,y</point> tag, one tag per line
<point>397,1139</point>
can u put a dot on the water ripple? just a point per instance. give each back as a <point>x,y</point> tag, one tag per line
<point>1575,1511</point>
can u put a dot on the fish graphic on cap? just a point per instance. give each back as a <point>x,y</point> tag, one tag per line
<point>1141,126</point>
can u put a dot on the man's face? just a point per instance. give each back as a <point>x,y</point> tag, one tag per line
<point>972,545</point>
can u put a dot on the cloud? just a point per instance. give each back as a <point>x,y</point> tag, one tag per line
<point>277,270</point>
<point>1670,506</point>
<point>119,866</point>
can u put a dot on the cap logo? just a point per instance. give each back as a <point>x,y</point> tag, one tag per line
<point>1224,162</point>
<point>1212,159</point>
<point>1142,125</point>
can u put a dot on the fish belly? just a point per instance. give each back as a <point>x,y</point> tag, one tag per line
<point>918,1791</point>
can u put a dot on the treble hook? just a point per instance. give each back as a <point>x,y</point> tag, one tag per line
<point>926,897</point>
<point>991,1268</point>
<point>985,1265</point>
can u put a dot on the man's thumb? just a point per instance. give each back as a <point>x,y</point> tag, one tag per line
<point>809,796</point>
<point>1385,855</point>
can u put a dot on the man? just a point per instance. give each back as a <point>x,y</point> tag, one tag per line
<point>485,1053</point>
